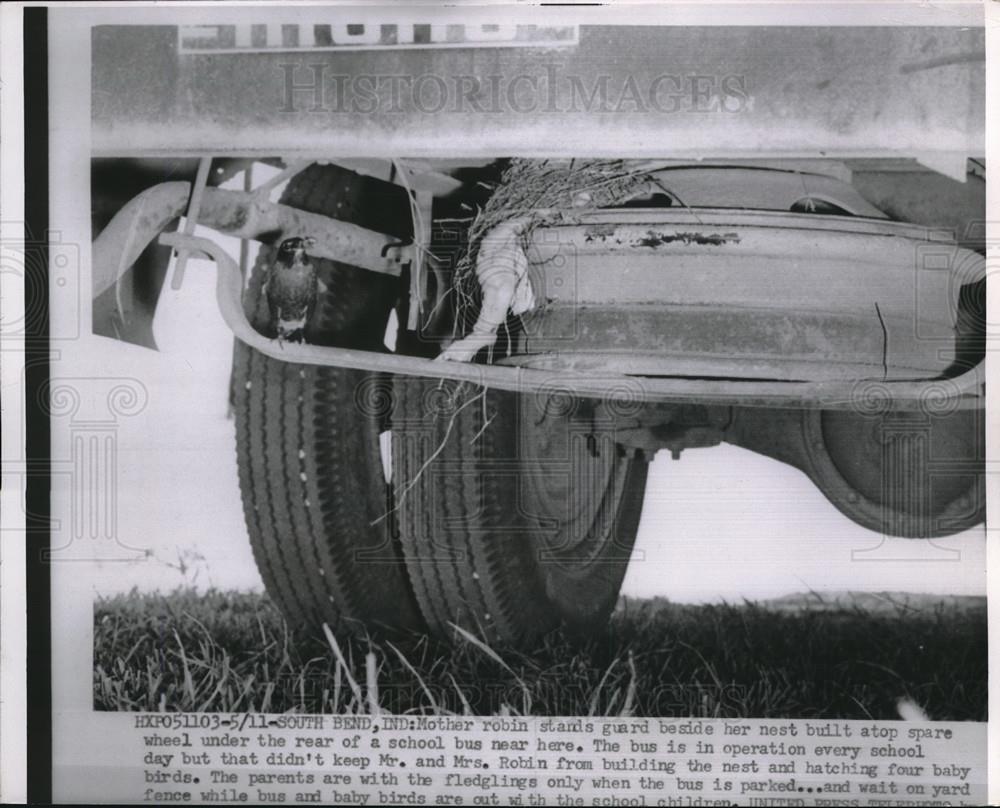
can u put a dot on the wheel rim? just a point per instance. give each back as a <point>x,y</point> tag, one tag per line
<point>900,473</point>
<point>573,481</point>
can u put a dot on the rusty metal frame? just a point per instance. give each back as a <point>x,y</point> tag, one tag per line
<point>965,391</point>
<point>191,218</point>
<point>236,213</point>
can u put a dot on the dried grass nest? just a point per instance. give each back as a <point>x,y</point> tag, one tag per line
<point>542,190</point>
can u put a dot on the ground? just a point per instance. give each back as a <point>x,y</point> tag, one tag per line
<point>803,657</point>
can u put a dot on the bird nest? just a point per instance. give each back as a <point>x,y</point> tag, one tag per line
<point>542,191</point>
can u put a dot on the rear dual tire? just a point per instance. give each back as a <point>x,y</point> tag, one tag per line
<point>514,519</point>
<point>504,517</point>
<point>315,499</point>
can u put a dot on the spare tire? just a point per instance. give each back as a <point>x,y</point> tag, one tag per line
<point>317,504</point>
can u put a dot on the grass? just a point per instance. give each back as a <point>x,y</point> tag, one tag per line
<point>228,651</point>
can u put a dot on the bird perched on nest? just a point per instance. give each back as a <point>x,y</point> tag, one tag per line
<point>291,289</point>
